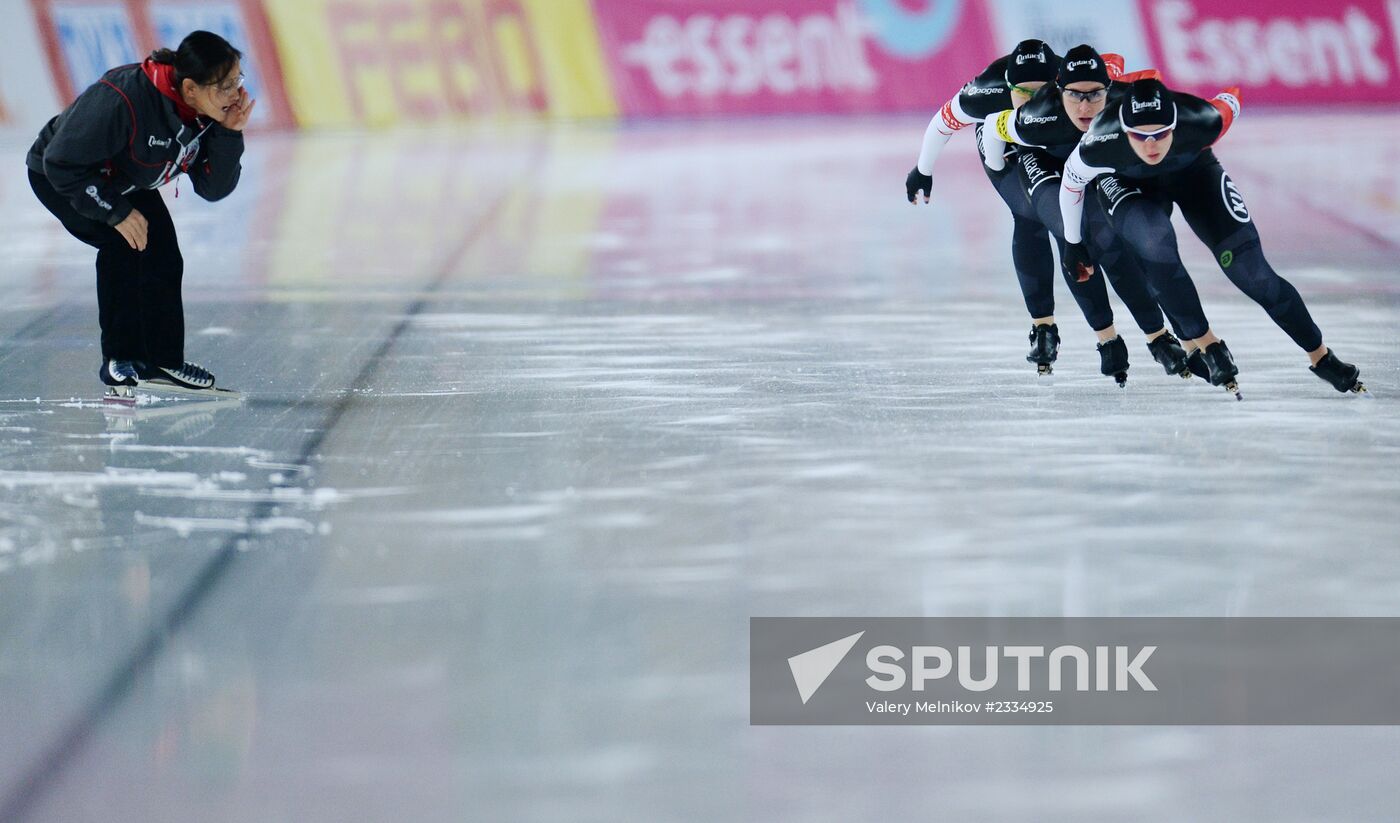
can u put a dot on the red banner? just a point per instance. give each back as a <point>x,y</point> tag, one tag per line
<point>782,56</point>
<point>1287,52</point>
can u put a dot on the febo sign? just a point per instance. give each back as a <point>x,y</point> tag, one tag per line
<point>764,56</point>
<point>1279,51</point>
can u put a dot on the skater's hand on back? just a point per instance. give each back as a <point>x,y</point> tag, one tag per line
<point>918,183</point>
<point>133,229</point>
<point>1078,262</point>
<point>240,113</point>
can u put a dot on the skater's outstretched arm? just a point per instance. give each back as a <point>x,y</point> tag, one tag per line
<point>97,128</point>
<point>1076,178</point>
<point>988,92</point>
<point>1002,128</point>
<point>1074,181</point>
<point>949,120</point>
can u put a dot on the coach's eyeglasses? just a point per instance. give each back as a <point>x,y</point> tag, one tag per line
<point>231,86</point>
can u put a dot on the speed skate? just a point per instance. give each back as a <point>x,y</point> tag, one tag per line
<point>130,395</point>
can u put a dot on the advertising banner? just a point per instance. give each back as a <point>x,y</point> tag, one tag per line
<point>85,39</point>
<point>1286,52</point>
<point>27,96</point>
<point>1107,25</point>
<point>382,62</point>
<point>789,56</point>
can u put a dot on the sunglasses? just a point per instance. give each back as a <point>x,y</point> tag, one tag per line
<point>1022,89</point>
<point>1086,96</point>
<point>1144,136</point>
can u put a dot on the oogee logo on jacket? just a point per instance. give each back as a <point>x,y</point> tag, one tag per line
<point>975,90</point>
<point>1031,119</point>
<point>91,191</point>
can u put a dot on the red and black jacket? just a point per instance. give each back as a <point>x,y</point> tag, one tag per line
<point>131,131</point>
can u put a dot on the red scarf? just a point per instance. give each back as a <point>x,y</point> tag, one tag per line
<point>162,76</point>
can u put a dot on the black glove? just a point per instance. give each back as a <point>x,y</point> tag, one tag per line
<point>1078,262</point>
<point>917,182</point>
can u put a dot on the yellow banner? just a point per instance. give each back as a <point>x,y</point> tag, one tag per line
<point>379,63</point>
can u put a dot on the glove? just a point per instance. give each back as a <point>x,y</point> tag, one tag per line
<point>1078,262</point>
<point>917,182</point>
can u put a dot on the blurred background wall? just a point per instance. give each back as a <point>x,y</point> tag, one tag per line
<point>352,63</point>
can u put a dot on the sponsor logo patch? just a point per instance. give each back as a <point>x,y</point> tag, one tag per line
<point>1114,191</point>
<point>1234,201</point>
<point>1035,172</point>
<point>1226,258</point>
<point>1033,120</point>
<point>158,144</point>
<point>91,191</point>
<point>1144,105</point>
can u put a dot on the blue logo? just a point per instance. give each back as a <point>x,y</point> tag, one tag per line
<point>911,34</point>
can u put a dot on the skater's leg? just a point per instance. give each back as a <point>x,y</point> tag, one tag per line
<point>162,270</point>
<point>1039,177</point>
<point>1035,268</point>
<point>1030,247</point>
<point>1119,265</point>
<point>1092,298</point>
<point>1216,212</point>
<point>118,304</point>
<point>1144,226</point>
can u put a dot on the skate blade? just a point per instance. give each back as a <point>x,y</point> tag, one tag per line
<point>1234,389</point>
<point>1122,379</point>
<point>1360,390</point>
<point>173,409</point>
<point>212,393</point>
<point>123,396</point>
<point>1044,369</point>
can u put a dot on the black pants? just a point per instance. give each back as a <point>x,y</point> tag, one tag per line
<point>1216,212</point>
<point>1035,224</point>
<point>1040,177</point>
<point>138,293</point>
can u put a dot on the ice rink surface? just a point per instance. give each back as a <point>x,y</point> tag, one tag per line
<point>536,420</point>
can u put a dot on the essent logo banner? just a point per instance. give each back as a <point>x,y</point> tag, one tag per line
<point>1285,52</point>
<point>781,56</point>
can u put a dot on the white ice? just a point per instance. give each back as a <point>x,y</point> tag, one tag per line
<point>536,419</point>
